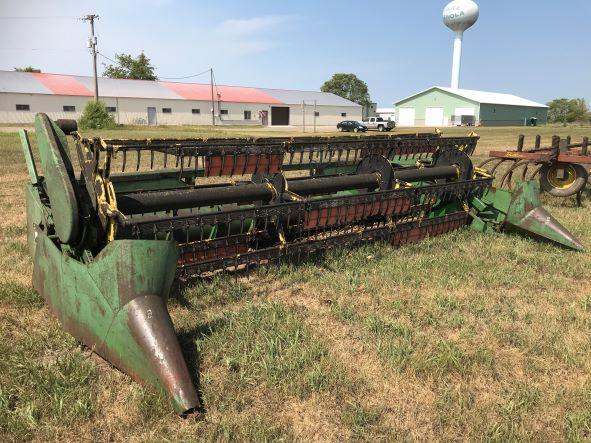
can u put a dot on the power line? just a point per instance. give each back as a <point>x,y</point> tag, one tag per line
<point>42,49</point>
<point>105,57</point>
<point>92,43</point>
<point>183,78</point>
<point>39,17</point>
<point>87,18</point>
<point>159,78</point>
<point>215,85</point>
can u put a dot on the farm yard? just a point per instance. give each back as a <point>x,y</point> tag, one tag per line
<point>464,336</point>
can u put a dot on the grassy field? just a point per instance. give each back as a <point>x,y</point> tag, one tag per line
<point>461,337</point>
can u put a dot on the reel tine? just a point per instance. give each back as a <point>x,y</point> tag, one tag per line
<point>223,163</point>
<point>257,164</point>
<point>182,160</point>
<point>510,179</point>
<point>124,160</point>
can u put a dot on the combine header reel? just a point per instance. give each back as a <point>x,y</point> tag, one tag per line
<point>562,168</point>
<point>108,241</point>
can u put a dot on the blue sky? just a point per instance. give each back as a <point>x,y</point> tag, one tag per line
<point>537,49</point>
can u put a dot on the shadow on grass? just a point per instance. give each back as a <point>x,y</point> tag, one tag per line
<point>188,341</point>
<point>285,266</point>
<point>570,201</point>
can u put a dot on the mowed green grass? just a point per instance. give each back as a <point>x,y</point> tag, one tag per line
<point>461,337</point>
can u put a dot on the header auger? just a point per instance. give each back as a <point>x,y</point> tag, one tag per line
<point>108,240</point>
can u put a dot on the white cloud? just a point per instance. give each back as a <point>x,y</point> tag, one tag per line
<point>251,26</point>
<point>249,35</point>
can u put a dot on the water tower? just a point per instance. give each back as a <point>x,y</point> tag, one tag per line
<point>458,16</point>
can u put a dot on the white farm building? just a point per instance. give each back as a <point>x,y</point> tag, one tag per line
<point>143,102</point>
<point>439,106</point>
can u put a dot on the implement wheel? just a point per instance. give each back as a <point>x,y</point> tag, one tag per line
<point>562,179</point>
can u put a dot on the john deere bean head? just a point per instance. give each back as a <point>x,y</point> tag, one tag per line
<point>108,238</point>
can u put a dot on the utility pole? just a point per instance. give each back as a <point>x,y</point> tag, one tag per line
<point>92,45</point>
<point>212,99</point>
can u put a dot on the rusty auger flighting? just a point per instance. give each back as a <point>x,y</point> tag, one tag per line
<point>107,242</point>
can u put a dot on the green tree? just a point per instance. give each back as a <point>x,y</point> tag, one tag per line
<point>27,69</point>
<point>348,86</point>
<point>138,68</point>
<point>564,110</point>
<point>579,112</point>
<point>96,116</point>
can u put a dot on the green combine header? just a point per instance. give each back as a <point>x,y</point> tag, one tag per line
<point>109,237</point>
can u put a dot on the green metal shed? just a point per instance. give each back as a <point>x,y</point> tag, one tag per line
<point>439,106</point>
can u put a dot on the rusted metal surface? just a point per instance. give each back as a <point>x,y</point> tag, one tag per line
<point>337,215</point>
<point>574,156</point>
<point>242,164</point>
<point>549,165</point>
<point>432,228</point>
<point>151,327</point>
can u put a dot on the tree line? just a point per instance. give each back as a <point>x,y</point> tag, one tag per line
<point>564,110</point>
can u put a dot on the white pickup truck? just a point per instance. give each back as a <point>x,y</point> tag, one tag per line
<point>379,123</point>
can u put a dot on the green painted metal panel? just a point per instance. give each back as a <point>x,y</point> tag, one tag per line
<point>436,98</point>
<point>27,151</point>
<point>37,214</point>
<point>59,177</point>
<point>522,211</point>
<point>504,115</point>
<point>116,305</point>
<point>527,214</point>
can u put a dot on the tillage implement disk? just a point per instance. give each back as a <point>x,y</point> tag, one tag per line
<point>562,168</point>
<point>109,238</point>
